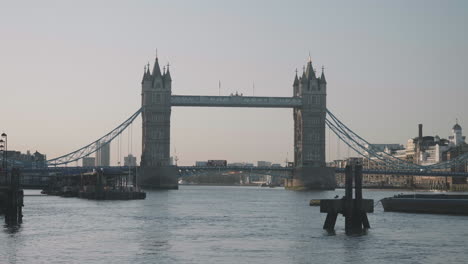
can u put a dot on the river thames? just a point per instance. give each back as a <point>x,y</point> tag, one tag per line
<point>214,224</point>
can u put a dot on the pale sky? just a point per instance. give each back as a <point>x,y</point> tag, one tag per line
<point>71,70</point>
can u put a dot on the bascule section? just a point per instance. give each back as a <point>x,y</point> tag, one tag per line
<point>310,170</point>
<point>155,169</point>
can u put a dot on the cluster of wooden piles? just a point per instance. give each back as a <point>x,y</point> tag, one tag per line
<point>353,209</point>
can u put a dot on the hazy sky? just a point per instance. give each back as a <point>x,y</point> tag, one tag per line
<point>71,70</point>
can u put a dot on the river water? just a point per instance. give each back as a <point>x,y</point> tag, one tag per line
<point>212,224</point>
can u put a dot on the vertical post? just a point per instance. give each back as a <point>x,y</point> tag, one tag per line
<point>99,187</point>
<point>348,182</point>
<point>348,206</point>
<point>352,209</point>
<point>357,206</point>
<point>330,221</point>
<point>135,172</point>
<point>14,200</point>
<point>358,183</point>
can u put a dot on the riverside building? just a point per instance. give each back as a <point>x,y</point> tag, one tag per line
<point>422,150</point>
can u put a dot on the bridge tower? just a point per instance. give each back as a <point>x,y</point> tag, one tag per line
<point>310,170</point>
<point>155,168</point>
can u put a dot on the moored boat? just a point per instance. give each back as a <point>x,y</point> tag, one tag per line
<point>427,203</point>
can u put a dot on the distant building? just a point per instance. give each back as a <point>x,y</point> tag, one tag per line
<point>216,163</point>
<point>263,164</point>
<point>384,147</point>
<point>428,150</point>
<point>103,155</point>
<point>457,138</point>
<point>89,162</point>
<point>201,163</point>
<point>130,160</point>
<point>240,164</point>
<point>422,150</point>
<point>275,165</point>
<point>337,164</point>
<point>28,160</point>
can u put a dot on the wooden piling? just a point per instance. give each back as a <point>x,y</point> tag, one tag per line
<point>353,209</point>
<point>13,199</point>
<point>330,221</point>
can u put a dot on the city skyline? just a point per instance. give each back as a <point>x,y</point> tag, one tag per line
<point>399,74</point>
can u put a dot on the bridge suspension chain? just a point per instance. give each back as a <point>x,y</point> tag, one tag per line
<point>367,147</point>
<point>94,146</point>
<point>360,146</point>
<point>360,149</point>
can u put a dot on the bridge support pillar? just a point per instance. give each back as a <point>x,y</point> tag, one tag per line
<point>312,178</point>
<point>158,177</point>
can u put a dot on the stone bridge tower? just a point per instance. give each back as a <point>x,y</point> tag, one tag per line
<point>155,168</point>
<point>309,133</point>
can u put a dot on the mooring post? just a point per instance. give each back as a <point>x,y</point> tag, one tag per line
<point>14,203</point>
<point>348,206</point>
<point>358,184</point>
<point>356,215</point>
<point>349,182</point>
<point>354,210</point>
<point>99,184</point>
<point>333,211</point>
<point>358,189</point>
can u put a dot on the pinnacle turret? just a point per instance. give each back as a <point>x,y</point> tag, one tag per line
<point>303,77</point>
<point>310,73</point>
<point>296,80</point>
<point>146,74</point>
<point>167,74</point>
<point>156,69</point>
<point>322,78</point>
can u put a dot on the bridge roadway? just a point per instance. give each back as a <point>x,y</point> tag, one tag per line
<point>38,178</point>
<point>337,170</point>
<point>235,101</point>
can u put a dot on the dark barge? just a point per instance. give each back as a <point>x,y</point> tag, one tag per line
<point>454,204</point>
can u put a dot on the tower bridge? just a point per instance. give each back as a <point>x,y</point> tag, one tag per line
<point>309,110</point>
<point>310,115</point>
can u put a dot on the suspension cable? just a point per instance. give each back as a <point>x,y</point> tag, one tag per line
<point>350,138</point>
<point>94,146</point>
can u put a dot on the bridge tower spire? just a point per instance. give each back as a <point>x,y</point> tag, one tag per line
<point>296,85</point>
<point>155,169</point>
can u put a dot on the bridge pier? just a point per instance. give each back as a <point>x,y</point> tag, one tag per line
<point>311,178</point>
<point>158,177</point>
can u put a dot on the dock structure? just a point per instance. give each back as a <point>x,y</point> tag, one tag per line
<point>353,209</point>
<point>101,184</point>
<point>11,197</point>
